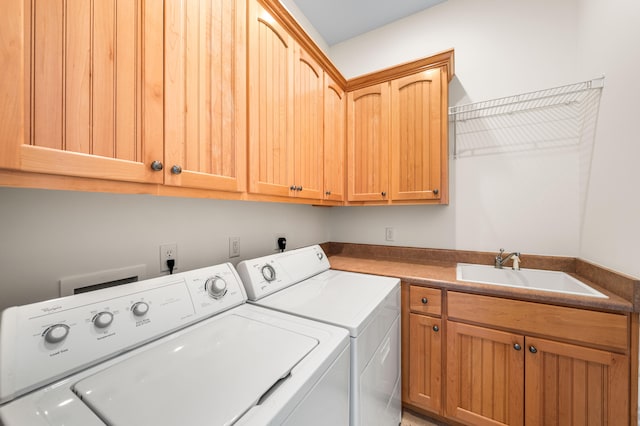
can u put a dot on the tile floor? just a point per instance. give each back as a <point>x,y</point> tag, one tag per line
<point>412,419</point>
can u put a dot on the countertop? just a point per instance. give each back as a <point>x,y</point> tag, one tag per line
<point>431,272</point>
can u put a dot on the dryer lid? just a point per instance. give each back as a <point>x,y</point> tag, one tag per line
<point>210,375</point>
<point>344,299</point>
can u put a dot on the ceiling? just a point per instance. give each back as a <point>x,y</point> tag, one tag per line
<point>340,20</point>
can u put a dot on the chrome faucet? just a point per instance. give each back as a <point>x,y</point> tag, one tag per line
<point>500,261</point>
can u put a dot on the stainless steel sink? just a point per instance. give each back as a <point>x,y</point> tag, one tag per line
<point>537,279</point>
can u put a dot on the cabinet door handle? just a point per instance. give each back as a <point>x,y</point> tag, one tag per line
<point>424,300</point>
<point>299,188</point>
<point>436,328</point>
<point>383,193</point>
<point>176,170</point>
<point>327,193</point>
<point>156,166</point>
<point>435,191</point>
<point>533,349</point>
<point>293,188</point>
<point>517,347</point>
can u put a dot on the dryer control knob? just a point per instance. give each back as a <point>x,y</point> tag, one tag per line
<point>102,319</point>
<point>56,333</point>
<point>268,272</point>
<point>216,287</point>
<point>139,308</point>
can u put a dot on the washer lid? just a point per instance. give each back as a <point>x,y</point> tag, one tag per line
<point>211,375</point>
<point>345,299</point>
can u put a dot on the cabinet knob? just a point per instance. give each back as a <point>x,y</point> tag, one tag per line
<point>533,349</point>
<point>327,193</point>
<point>424,300</point>
<point>299,188</point>
<point>383,193</point>
<point>436,191</point>
<point>436,328</point>
<point>517,347</point>
<point>292,188</point>
<point>176,170</point>
<point>156,166</point>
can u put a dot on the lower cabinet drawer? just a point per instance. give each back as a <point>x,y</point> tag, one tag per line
<point>425,300</point>
<point>597,329</point>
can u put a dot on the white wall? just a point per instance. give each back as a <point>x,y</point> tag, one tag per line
<point>609,45</point>
<point>48,235</point>
<point>530,202</point>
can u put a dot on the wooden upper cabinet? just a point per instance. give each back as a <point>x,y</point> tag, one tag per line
<point>271,116</point>
<point>334,140</point>
<point>205,88</point>
<point>93,89</point>
<point>368,143</point>
<point>308,126</point>
<point>419,136</point>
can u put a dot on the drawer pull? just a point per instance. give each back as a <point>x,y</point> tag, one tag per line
<point>517,347</point>
<point>425,300</point>
<point>436,328</point>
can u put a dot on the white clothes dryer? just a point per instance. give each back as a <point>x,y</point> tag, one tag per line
<point>300,282</point>
<point>182,349</point>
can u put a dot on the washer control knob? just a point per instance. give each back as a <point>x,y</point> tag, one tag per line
<point>102,319</point>
<point>216,287</point>
<point>268,273</point>
<point>56,333</point>
<point>139,308</point>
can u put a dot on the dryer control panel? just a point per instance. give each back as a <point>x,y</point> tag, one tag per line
<point>265,275</point>
<point>49,340</point>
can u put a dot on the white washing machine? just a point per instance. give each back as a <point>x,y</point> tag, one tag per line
<point>300,282</point>
<point>183,349</point>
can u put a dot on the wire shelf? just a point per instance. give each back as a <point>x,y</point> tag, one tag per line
<point>549,118</point>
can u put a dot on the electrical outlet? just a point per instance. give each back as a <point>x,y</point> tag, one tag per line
<point>234,246</point>
<point>168,251</point>
<point>389,234</point>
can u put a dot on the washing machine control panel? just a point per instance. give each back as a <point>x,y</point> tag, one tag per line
<point>266,275</point>
<point>45,341</point>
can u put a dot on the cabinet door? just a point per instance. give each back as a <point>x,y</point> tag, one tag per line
<point>573,385</point>
<point>418,132</point>
<point>368,143</point>
<point>205,88</point>
<point>93,90</point>
<point>308,139</point>
<point>425,369</point>
<point>334,140</point>
<point>485,375</point>
<point>271,118</point>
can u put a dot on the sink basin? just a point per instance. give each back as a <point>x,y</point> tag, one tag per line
<point>535,279</point>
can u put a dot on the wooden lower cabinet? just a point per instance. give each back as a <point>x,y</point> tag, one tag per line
<point>500,378</point>
<point>425,362</point>
<point>485,375</point>
<point>572,385</point>
<point>483,360</point>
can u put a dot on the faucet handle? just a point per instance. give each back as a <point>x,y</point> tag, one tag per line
<point>501,252</point>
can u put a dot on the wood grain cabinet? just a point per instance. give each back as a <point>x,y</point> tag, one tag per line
<point>424,348</point>
<point>334,140</point>
<point>286,112</point>
<point>205,90</point>
<point>88,78</point>
<point>368,143</point>
<point>419,157</point>
<point>562,366</point>
<point>397,134</point>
